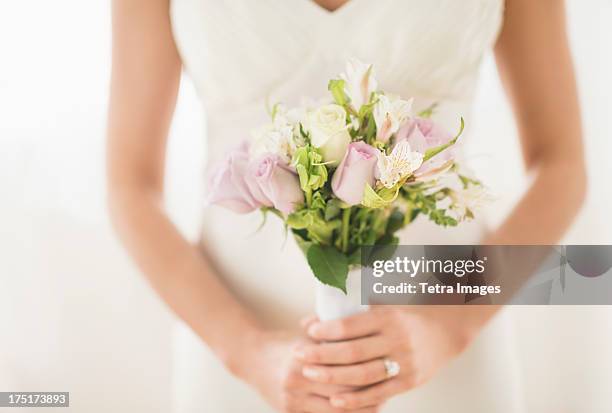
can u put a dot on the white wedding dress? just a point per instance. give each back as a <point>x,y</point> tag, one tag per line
<point>243,54</point>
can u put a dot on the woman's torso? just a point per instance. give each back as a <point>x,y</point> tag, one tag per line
<point>245,54</point>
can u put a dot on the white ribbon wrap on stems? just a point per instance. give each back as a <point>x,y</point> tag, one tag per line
<point>332,304</point>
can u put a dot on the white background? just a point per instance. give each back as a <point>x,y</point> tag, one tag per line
<point>74,313</point>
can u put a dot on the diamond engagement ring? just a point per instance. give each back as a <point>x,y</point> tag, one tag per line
<point>391,367</point>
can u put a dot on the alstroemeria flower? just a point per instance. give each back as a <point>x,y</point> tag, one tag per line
<point>390,114</point>
<point>399,164</point>
<point>359,83</point>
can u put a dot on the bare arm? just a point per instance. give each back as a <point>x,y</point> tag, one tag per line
<point>535,65</point>
<point>536,68</point>
<point>145,79</point>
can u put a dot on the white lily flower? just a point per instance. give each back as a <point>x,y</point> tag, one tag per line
<point>399,164</point>
<point>390,113</point>
<point>359,83</point>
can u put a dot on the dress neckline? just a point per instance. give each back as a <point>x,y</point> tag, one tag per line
<point>313,5</point>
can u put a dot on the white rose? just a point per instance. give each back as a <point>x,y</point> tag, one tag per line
<point>329,132</point>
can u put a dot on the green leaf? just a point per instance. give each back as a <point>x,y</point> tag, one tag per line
<point>317,201</point>
<point>336,87</point>
<point>379,223</point>
<point>303,175</point>
<point>430,153</point>
<point>300,219</point>
<point>440,218</point>
<point>322,231</point>
<point>370,131</point>
<point>303,132</point>
<point>274,110</point>
<point>355,257</point>
<point>395,222</point>
<point>367,108</point>
<point>381,199</point>
<point>429,111</point>
<point>329,265</point>
<point>467,181</point>
<point>332,209</point>
<point>300,238</point>
<point>307,162</point>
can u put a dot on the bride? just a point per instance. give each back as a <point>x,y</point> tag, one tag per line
<point>246,296</point>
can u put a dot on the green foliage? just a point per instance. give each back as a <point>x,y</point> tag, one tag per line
<point>308,164</point>
<point>367,129</point>
<point>395,221</point>
<point>355,257</point>
<point>336,87</point>
<point>367,226</point>
<point>381,198</point>
<point>332,209</point>
<point>467,181</point>
<point>439,217</point>
<point>329,265</point>
<point>430,153</point>
<point>318,202</point>
<point>429,111</point>
<point>313,222</point>
<point>331,233</point>
<point>304,134</point>
<point>420,202</point>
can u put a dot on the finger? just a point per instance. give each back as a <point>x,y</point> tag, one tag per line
<point>326,390</point>
<point>358,325</point>
<point>362,374</point>
<point>307,321</point>
<point>370,396</point>
<point>345,352</point>
<point>314,404</point>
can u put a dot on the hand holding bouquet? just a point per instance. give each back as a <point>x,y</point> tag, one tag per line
<point>348,173</point>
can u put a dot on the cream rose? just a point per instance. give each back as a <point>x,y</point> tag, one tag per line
<point>329,132</point>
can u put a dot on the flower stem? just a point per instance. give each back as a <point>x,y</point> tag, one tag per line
<point>308,194</point>
<point>346,218</point>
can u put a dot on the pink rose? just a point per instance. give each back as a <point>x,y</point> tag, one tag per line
<point>273,183</point>
<point>355,171</point>
<point>227,184</point>
<point>423,134</point>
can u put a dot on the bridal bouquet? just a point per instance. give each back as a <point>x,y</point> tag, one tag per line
<point>347,173</point>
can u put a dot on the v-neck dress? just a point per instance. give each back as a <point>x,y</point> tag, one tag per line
<point>243,55</point>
